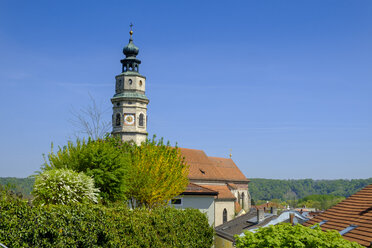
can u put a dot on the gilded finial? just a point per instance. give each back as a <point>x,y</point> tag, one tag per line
<point>230,153</point>
<point>131,31</point>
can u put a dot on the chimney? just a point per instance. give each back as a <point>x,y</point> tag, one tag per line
<point>260,215</point>
<point>291,218</point>
<point>274,211</point>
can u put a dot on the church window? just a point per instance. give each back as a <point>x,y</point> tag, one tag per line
<point>141,121</point>
<point>130,81</point>
<point>243,200</point>
<point>140,83</point>
<point>117,122</point>
<point>224,215</point>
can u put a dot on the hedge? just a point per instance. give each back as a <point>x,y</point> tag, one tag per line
<point>82,225</point>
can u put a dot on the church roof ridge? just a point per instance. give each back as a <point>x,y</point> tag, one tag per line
<point>203,167</point>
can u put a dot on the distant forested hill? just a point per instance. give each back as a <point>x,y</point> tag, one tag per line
<point>267,189</point>
<point>23,185</point>
<point>260,189</point>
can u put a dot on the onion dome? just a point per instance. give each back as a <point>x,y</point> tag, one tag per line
<point>130,50</point>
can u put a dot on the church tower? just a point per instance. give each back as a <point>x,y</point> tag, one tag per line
<point>129,104</point>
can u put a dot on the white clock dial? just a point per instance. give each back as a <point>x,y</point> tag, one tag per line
<point>129,119</point>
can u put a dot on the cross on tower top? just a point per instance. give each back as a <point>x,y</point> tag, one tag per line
<point>131,31</point>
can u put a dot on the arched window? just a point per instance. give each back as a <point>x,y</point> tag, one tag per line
<point>224,215</point>
<point>242,200</point>
<point>140,122</point>
<point>117,121</point>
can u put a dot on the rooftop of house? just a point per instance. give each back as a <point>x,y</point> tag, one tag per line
<point>249,222</point>
<point>236,226</point>
<point>352,217</point>
<point>223,191</point>
<point>203,167</point>
<point>194,189</point>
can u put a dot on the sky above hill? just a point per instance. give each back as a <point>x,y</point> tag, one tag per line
<point>286,85</point>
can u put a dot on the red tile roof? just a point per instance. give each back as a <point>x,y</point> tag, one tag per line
<point>357,210</point>
<point>194,189</point>
<point>211,168</point>
<point>232,185</point>
<point>223,191</point>
<point>228,169</point>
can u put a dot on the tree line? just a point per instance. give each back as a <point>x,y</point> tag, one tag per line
<point>260,188</point>
<point>268,189</point>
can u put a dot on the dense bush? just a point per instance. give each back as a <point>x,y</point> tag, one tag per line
<point>106,160</point>
<point>82,225</point>
<point>286,235</point>
<point>64,186</point>
<point>149,175</point>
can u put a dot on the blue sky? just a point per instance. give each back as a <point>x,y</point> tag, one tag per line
<point>286,85</point>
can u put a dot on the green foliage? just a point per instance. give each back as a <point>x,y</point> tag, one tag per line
<point>286,235</point>
<point>64,186</point>
<point>106,160</point>
<point>85,225</point>
<point>19,185</point>
<point>157,174</point>
<point>267,189</point>
<point>148,175</point>
<point>320,201</point>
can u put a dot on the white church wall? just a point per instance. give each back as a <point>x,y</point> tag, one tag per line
<point>219,207</point>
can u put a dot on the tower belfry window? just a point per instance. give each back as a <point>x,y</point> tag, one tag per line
<point>141,120</point>
<point>117,121</point>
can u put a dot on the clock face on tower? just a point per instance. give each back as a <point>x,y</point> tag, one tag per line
<point>129,119</point>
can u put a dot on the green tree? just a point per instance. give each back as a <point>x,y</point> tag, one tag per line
<point>64,186</point>
<point>320,201</point>
<point>106,160</point>
<point>157,174</point>
<point>286,235</point>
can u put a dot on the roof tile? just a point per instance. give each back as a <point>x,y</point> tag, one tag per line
<point>211,168</point>
<point>223,191</point>
<point>357,210</point>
